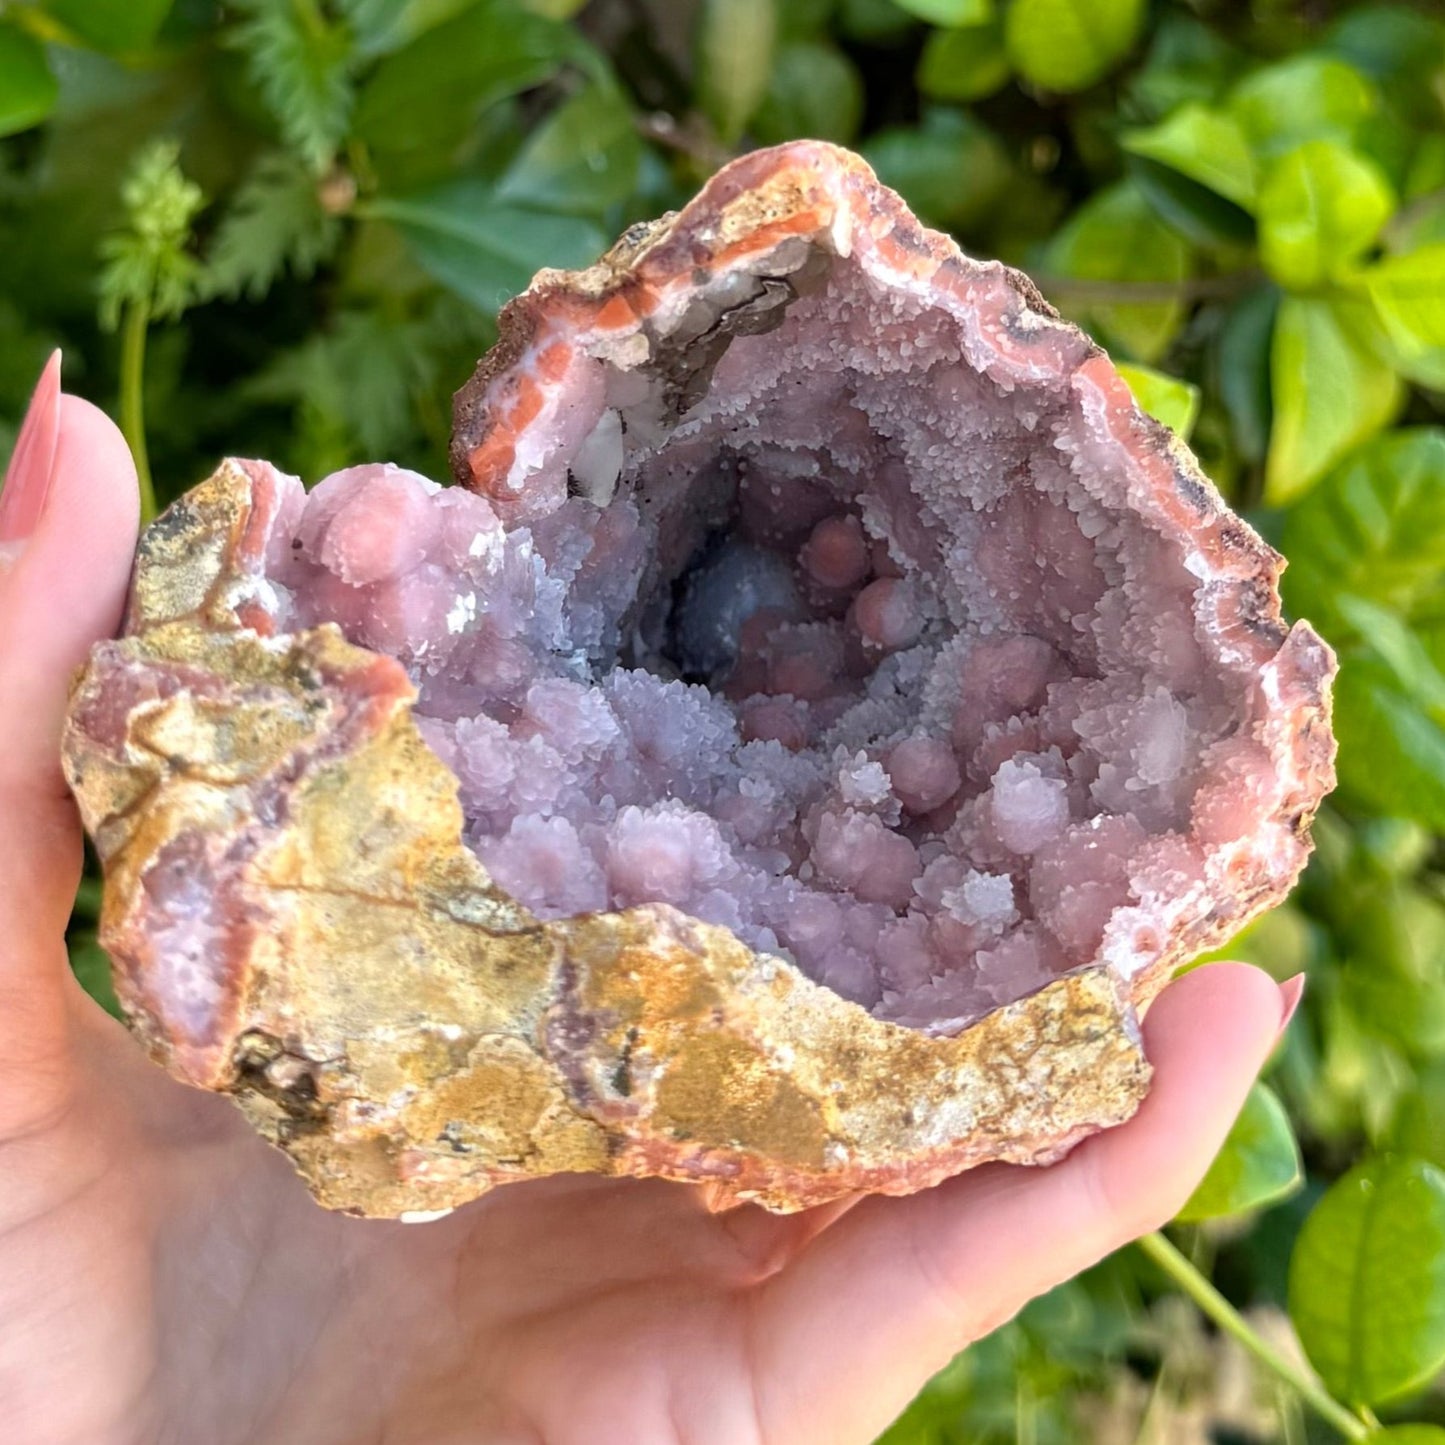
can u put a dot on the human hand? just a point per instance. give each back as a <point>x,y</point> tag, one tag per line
<point>165,1278</point>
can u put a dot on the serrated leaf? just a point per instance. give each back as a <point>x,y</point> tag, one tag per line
<point>814,91</point>
<point>300,62</point>
<point>115,26</point>
<point>967,63</point>
<point>1308,97</point>
<point>1373,528</point>
<point>582,158</point>
<point>1259,1163</point>
<point>1067,45</point>
<point>1367,1281</point>
<point>275,222</point>
<point>485,251</point>
<point>949,12</point>
<point>1321,205</point>
<point>952,170</point>
<point>1207,145</point>
<point>1116,237</point>
<point>27,88</point>
<point>735,41</point>
<point>1330,393</point>
<point>1166,398</point>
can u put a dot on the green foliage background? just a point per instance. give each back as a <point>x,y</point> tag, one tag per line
<point>283,228</point>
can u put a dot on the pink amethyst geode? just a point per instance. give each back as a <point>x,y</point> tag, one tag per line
<point>821,719</point>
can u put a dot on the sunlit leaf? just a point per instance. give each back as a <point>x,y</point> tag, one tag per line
<point>1367,1281</point>
<point>1307,97</point>
<point>1207,145</point>
<point>1066,45</point>
<point>1166,398</point>
<point>1320,206</point>
<point>1330,393</point>
<point>949,12</point>
<point>1258,1164</point>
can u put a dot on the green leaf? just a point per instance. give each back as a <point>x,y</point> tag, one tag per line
<point>300,62</point>
<point>949,12</point>
<point>814,90</point>
<point>1321,205</point>
<point>1418,1127</point>
<point>952,169</point>
<point>1066,45</point>
<point>1241,369</point>
<point>1116,237</point>
<point>1187,61</point>
<point>1374,528</point>
<point>27,88</point>
<point>1367,1281</point>
<point>275,222</point>
<point>115,26</point>
<point>735,42</point>
<point>1309,97</point>
<point>1407,1435</point>
<point>1166,398</point>
<point>421,102</point>
<point>1258,1165</point>
<point>1330,393</point>
<point>1392,750</point>
<point>967,63</point>
<point>1402,50</point>
<point>1409,296</point>
<point>481,249</point>
<point>90,964</point>
<point>583,158</point>
<point>1207,145</point>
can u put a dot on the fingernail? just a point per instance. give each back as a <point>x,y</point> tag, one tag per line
<point>27,478</point>
<point>1291,991</point>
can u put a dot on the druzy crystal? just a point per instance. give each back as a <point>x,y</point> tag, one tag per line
<point>815,625</point>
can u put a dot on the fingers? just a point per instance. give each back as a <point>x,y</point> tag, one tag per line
<point>64,587</point>
<point>890,1293</point>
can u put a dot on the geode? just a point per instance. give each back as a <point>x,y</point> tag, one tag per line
<point>819,722</point>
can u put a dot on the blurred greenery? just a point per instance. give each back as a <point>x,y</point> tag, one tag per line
<point>284,227</point>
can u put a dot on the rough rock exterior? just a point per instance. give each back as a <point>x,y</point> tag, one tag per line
<point>850,885</point>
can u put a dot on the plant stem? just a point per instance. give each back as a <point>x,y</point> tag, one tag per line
<point>132,399</point>
<point>1224,1314</point>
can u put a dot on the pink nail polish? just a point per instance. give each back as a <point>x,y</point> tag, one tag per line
<point>27,478</point>
<point>1290,993</point>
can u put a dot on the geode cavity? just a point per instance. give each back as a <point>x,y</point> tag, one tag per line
<point>823,716</point>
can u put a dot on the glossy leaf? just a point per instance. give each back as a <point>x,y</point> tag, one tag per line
<point>1367,1281</point>
<point>814,90</point>
<point>1330,394</point>
<point>735,42</point>
<point>967,63</point>
<point>483,250</point>
<point>1116,237</point>
<point>1409,296</point>
<point>1258,1165</point>
<point>27,88</point>
<point>1373,528</point>
<point>115,26</point>
<point>1166,398</point>
<point>1308,97</point>
<point>1320,206</point>
<point>1067,45</point>
<point>949,12</point>
<point>421,101</point>
<point>1205,144</point>
<point>582,158</point>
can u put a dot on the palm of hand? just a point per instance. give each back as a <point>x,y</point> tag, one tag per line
<point>163,1277</point>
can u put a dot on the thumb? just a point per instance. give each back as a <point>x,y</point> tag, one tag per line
<point>68,515</point>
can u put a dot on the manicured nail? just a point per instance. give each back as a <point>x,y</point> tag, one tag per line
<point>1291,991</point>
<point>27,478</point>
